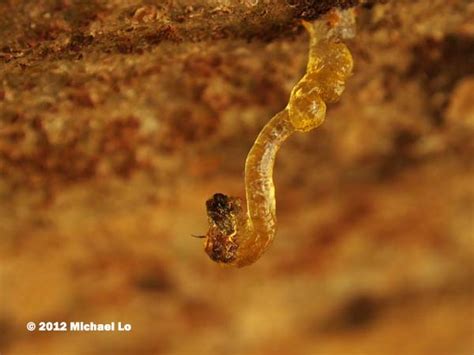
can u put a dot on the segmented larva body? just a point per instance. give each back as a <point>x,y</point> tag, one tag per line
<point>238,237</point>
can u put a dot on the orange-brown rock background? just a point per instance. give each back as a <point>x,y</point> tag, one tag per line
<point>118,119</point>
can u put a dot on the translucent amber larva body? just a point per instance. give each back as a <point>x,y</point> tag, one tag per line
<point>237,236</point>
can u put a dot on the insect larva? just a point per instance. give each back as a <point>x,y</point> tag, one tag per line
<point>238,237</point>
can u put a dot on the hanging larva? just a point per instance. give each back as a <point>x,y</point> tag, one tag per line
<point>237,236</point>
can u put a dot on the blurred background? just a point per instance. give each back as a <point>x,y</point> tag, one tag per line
<point>118,119</point>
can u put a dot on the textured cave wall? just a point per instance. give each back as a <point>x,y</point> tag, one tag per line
<point>119,119</point>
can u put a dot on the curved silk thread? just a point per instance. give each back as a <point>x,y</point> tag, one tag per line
<point>239,238</point>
